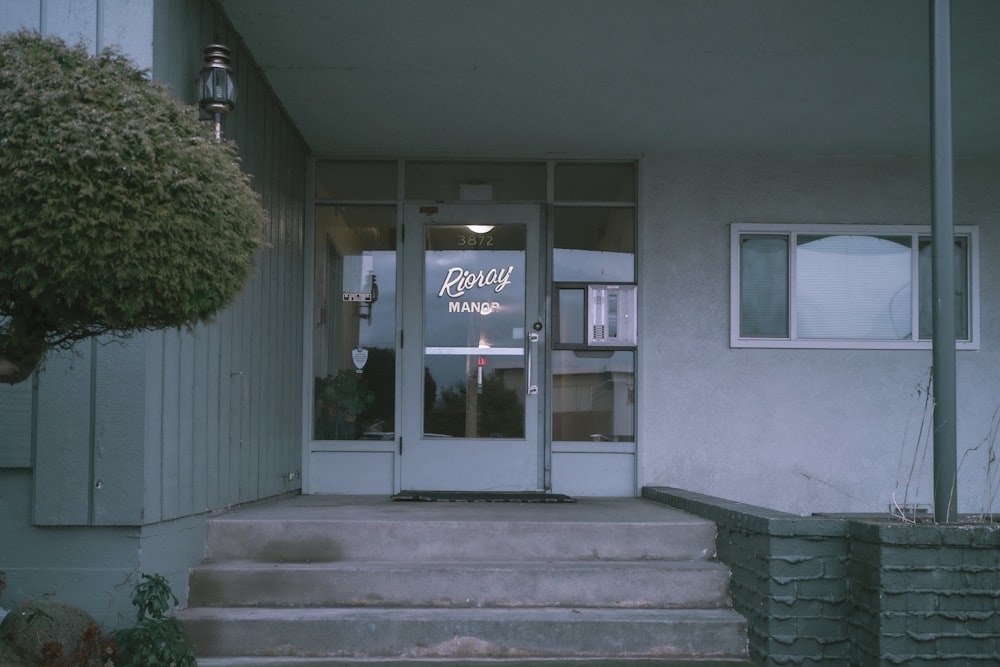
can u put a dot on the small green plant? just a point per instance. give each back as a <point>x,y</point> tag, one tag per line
<point>157,638</point>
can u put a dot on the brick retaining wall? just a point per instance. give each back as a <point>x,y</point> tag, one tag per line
<point>924,594</point>
<point>852,589</point>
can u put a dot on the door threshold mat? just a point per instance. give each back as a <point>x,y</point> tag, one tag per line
<point>482,497</point>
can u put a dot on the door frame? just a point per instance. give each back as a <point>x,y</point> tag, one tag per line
<point>492,459</point>
<point>576,467</point>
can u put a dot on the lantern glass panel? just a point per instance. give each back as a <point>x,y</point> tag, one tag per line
<point>218,89</point>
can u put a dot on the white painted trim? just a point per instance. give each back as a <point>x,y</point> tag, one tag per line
<point>481,351</point>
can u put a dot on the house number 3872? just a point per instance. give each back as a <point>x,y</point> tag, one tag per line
<point>475,240</point>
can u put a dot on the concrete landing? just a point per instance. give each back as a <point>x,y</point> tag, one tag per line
<point>375,528</point>
<point>465,662</point>
<point>382,508</point>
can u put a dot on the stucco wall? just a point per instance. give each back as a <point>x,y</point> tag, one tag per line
<point>796,430</point>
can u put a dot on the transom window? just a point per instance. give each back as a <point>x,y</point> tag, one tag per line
<point>844,286</point>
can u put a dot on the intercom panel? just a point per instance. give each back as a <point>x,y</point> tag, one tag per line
<point>611,320</point>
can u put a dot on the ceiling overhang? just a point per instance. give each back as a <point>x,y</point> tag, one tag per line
<point>509,78</point>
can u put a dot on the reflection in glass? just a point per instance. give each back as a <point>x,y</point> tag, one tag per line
<point>594,244</point>
<point>853,287</point>
<point>474,331</point>
<point>595,182</point>
<point>354,359</point>
<point>481,396</point>
<point>569,315</point>
<point>764,286</point>
<point>356,180</point>
<point>593,396</point>
<point>961,289</point>
<point>593,393</point>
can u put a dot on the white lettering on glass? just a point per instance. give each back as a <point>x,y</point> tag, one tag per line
<point>483,307</point>
<point>459,281</point>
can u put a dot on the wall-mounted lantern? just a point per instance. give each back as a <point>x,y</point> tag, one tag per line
<point>216,85</point>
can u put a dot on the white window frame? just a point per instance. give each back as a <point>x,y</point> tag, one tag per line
<point>791,230</point>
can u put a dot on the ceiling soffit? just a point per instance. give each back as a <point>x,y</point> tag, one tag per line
<point>600,77</point>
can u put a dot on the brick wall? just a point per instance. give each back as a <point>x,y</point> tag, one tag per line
<point>788,577</point>
<point>924,594</point>
<point>838,590</point>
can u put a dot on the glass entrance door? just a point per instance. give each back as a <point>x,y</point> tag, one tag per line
<point>472,351</point>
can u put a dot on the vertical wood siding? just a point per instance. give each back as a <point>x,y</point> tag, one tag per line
<point>176,422</point>
<point>229,428</point>
<point>79,425</point>
<point>15,425</point>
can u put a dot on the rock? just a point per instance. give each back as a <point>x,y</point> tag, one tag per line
<point>50,630</point>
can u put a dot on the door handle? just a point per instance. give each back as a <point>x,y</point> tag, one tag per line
<point>532,386</point>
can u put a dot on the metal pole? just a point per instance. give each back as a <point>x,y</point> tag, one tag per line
<point>942,268</point>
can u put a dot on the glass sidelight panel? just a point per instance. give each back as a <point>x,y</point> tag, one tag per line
<point>593,395</point>
<point>354,351</point>
<point>593,391</point>
<point>474,339</point>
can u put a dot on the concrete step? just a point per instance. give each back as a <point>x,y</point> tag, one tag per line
<point>341,581</point>
<point>622,584</point>
<point>503,634</point>
<point>465,662</point>
<point>399,531</point>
